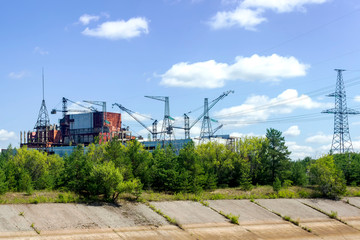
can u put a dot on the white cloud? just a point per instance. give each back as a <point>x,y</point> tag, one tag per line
<point>6,135</point>
<point>280,5</point>
<point>248,13</point>
<point>210,74</point>
<point>299,151</point>
<point>292,131</point>
<point>17,75</point>
<point>86,19</point>
<point>319,138</point>
<point>40,51</point>
<point>242,135</point>
<point>121,29</point>
<point>259,108</point>
<point>241,17</point>
<point>357,98</point>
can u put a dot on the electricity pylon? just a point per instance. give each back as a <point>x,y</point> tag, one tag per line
<point>341,142</point>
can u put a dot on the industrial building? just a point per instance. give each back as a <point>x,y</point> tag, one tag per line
<point>89,125</point>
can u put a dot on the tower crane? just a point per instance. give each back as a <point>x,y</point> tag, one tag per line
<point>167,128</point>
<point>204,115</point>
<point>65,109</point>
<point>131,113</point>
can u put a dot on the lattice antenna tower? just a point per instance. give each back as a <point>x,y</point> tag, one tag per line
<point>43,120</point>
<point>341,142</point>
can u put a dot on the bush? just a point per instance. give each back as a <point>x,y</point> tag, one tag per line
<point>330,180</point>
<point>277,185</point>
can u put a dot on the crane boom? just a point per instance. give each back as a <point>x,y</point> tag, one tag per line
<point>131,113</point>
<point>215,101</point>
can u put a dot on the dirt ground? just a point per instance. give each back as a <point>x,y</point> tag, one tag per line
<point>192,220</point>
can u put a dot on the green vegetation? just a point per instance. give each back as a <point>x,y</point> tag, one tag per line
<point>255,167</point>
<point>35,229</point>
<point>169,219</point>
<point>233,218</point>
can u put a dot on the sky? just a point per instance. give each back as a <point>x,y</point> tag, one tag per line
<point>278,56</point>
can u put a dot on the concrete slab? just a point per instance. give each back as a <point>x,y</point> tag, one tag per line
<point>54,216</point>
<point>10,220</point>
<point>263,223</point>
<point>292,208</point>
<point>353,200</point>
<point>202,222</point>
<point>247,211</point>
<point>319,223</point>
<point>345,212</point>
<point>188,212</point>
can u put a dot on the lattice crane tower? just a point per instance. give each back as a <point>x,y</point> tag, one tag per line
<point>341,142</point>
<point>43,120</point>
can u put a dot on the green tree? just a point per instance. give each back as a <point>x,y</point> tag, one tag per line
<point>298,174</point>
<point>329,179</point>
<point>3,182</point>
<point>275,159</point>
<point>77,170</point>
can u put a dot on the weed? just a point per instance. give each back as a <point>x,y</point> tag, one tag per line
<point>289,219</point>
<point>233,218</point>
<point>35,229</point>
<point>169,219</point>
<point>21,214</point>
<point>333,215</point>
<point>204,203</point>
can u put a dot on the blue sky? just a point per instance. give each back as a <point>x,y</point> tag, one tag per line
<point>278,57</point>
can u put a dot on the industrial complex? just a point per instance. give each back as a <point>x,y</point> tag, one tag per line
<point>90,125</point>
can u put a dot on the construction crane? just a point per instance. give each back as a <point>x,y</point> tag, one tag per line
<point>204,115</point>
<point>103,105</point>
<point>167,132</point>
<point>65,109</point>
<point>131,113</point>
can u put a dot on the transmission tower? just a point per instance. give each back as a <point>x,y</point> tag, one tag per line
<point>43,120</point>
<point>341,142</point>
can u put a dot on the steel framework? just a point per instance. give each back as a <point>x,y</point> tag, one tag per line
<point>341,142</point>
<point>43,120</point>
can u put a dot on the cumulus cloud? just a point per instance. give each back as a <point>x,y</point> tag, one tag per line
<point>319,138</point>
<point>357,98</point>
<point>40,51</point>
<point>120,29</point>
<point>248,13</point>
<point>299,151</point>
<point>211,74</point>
<point>241,17</point>
<point>6,135</point>
<point>259,108</point>
<point>292,131</point>
<point>86,18</point>
<point>17,75</point>
<point>280,6</point>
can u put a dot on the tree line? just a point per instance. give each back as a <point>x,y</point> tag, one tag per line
<point>112,168</point>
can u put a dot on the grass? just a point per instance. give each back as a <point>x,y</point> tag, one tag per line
<point>40,197</point>
<point>289,219</point>
<point>257,192</point>
<point>333,215</point>
<point>169,219</point>
<point>233,218</point>
<point>260,192</point>
<point>22,214</point>
<point>35,229</point>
